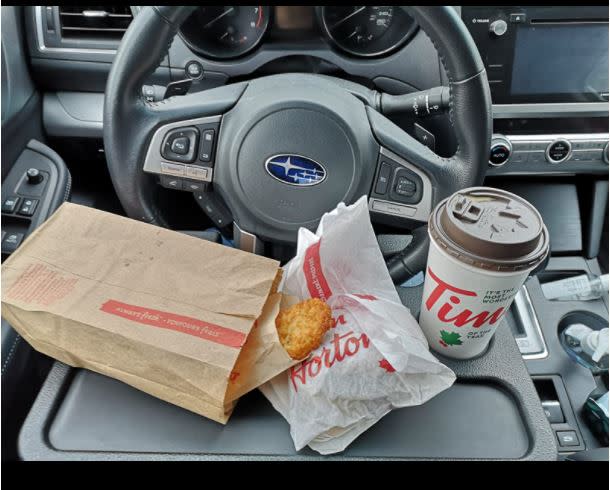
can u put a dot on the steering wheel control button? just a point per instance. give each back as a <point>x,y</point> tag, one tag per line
<point>180,145</point>
<point>199,173</point>
<point>28,207</point>
<point>194,70</point>
<point>500,151</point>
<point>394,209</point>
<point>11,242</point>
<point>567,438</point>
<point>405,187</point>
<point>383,178</point>
<point>424,136</point>
<point>10,204</point>
<point>173,169</point>
<point>171,182</point>
<point>194,186</point>
<point>558,151</point>
<point>207,145</point>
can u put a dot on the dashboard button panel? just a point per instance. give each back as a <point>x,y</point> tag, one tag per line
<point>194,138</point>
<point>400,190</point>
<point>533,152</point>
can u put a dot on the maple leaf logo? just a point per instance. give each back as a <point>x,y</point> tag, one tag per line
<point>386,365</point>
<point>450,338</point>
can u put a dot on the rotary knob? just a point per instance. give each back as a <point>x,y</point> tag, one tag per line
<point>34,176</point>
<point>558,151</point>
<point>498,28</point>
<point>500,151</point>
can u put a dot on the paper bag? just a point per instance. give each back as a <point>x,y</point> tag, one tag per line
<point>169,314</point>
<point>374,359</point>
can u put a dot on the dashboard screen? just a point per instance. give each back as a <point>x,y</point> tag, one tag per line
<point>294,17</point>
<point>565,59</point>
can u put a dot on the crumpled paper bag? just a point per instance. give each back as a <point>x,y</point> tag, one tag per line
<point>188,321</point>
<point>374,359</point>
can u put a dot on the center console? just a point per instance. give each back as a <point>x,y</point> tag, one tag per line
<point>548,75</point>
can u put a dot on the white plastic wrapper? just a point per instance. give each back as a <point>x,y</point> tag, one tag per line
<point>373,360</point>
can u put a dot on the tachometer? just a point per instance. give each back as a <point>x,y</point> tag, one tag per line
<point>226,31</point>
<point>367,30</point>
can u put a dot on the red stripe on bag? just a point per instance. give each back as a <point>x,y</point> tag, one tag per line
<point>178,323</point>
<point>312,268</point>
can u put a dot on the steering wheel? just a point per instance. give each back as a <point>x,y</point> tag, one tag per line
<point>290,147</point>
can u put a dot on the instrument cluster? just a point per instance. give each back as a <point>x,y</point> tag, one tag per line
<point>226,32</point>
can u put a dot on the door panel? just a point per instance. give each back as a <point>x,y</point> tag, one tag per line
<point>21,106</point>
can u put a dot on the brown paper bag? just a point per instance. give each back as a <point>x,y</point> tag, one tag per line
<point>169,314</point>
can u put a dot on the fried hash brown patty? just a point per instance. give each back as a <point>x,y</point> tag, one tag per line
<point>302,326</point>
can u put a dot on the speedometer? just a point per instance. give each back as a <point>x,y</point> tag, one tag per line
<point>367,30</point>
<point>226,31</point>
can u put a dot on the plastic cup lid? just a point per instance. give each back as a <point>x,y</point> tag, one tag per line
<point>490,228</point>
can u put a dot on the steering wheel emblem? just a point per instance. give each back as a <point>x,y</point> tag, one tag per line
<point>295,170</point>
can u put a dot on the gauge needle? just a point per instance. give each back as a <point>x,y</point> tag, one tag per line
<point>226,12</point>
<point>357,11</point>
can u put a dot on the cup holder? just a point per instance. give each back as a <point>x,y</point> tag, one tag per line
<point>591,320</point>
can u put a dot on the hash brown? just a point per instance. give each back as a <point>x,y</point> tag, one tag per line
<point>302,326</point>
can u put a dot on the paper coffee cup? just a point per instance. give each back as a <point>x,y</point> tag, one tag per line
<point>484,242</point>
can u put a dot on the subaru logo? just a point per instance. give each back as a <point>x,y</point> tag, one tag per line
<point>295,170</point>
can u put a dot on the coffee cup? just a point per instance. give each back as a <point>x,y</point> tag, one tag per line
<point>484,243</point>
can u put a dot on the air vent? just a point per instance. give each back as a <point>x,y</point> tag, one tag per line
<point>94,23</point>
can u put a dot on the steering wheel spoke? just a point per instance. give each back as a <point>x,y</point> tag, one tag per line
<point>248,242</point>
<point>407,177</point>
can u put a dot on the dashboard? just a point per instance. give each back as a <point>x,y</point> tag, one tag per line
<point>547,68</point>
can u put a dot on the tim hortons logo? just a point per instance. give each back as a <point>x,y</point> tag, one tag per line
<point>449,298</point>
<point>337,350</point>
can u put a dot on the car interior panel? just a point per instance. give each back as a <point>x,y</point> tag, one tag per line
<point>193,118</point>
